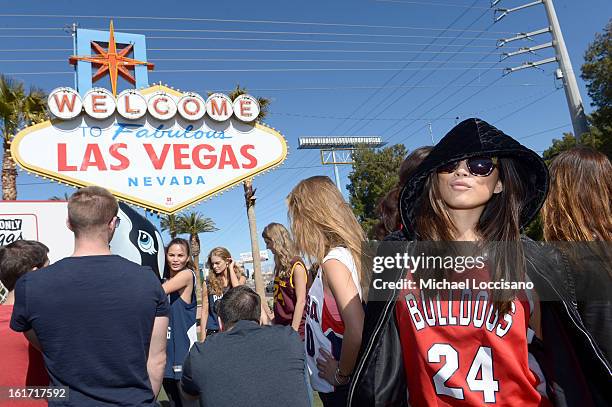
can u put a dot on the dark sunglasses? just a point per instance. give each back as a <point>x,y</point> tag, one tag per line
<point>478,166</point>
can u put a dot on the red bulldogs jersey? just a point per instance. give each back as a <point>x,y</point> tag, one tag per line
<point>459,352</point>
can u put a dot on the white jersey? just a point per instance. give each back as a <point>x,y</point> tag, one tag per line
<point>324,327</point>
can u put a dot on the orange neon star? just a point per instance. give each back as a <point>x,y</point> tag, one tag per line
<point>112,61</point>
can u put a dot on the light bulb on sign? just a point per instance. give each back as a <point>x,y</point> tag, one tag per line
<point>131,104</point>
<point>99,103</point>
<point>246,108</point>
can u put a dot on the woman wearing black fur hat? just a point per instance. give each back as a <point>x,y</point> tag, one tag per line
<point>477,185</point>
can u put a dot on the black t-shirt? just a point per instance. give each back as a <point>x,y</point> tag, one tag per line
<point>249,365</point>
<point>93,317</point>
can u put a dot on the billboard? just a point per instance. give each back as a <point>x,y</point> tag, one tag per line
<point>44,221</point>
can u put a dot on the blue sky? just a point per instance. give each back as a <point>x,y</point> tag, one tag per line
<point>386,68</point>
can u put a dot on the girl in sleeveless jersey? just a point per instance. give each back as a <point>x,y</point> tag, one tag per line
<point>477,185</point>
<point>326,231</point>
<point>180,287</point>
<point>290,278</point>
<point>223,274</point>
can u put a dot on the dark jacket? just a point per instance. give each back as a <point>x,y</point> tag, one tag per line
<point>574,367</point>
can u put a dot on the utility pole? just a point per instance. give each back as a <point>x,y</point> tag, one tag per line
<point>572,94</point>
<point>565,72</point>
<point>336,172</point>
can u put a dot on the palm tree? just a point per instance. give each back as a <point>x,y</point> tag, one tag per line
<point>193,224</point>
<point>249,197</point>
<point>16,110</point>
<point>169,223</point>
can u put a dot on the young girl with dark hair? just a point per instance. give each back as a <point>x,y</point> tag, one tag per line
<point>477,185</point>
<point>180,287</point>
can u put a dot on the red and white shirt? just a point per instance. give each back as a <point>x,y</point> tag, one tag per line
<point>458,351</point>
<point>324,325</point>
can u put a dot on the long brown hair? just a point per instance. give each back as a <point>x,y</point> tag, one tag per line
<point>214,281</point>
<point>578,203</point>
<point>282,247</point>
<point>499,222</point>
<point>387,206</point>
<point>321,219</point>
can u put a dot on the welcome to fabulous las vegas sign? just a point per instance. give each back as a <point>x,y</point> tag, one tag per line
<point>155,147</point>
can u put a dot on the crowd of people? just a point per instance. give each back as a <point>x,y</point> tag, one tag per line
<point>113,334</point>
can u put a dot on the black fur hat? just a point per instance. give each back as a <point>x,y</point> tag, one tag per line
<point>475,137</point>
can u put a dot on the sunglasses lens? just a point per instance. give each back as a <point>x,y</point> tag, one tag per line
<point>448,168</point>
<point>481,166</point>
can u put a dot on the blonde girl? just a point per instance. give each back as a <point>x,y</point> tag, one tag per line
<point>327,232</point>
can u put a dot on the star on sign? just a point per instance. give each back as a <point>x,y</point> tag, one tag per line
<point>112,62</point>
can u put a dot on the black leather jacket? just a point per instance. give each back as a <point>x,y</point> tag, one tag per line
<point>576,371</point>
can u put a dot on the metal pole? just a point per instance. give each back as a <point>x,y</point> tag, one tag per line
<point>572,94</point>
<point>336,173</point>
<point>74,50</point>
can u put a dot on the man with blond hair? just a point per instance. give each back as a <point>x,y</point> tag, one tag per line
<point>99,319</point>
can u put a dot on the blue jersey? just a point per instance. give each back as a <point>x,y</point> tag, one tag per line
<point>181,332</point>
<point>213,322</point>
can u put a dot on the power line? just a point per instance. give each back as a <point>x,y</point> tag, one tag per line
<point>312,69</point>
<point>370,97</point>
<point>388,81</point>
<point>36,49</point>
<point>269,40</point>
<point>306,41</point>
<point>525,106</point>
<point>447,98</point>
<point>545,131</point>
<point>260,70</point>
<point>311,116</point>
<point>220,20</point>
<point>269,60</point>
<point>312,50</point>
<point>430,74</point>
<point>428,119</point>
<point>34,36</point>
<point>426,3</point>
<point>510,103</point>
<point>323,88</point>
<point>490,84</point>
<point>258,50</point>
<point>356,34</point>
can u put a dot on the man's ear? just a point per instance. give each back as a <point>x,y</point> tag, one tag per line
<point>221,327</point>
<point>68,225</point>
<point>499,187</point>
